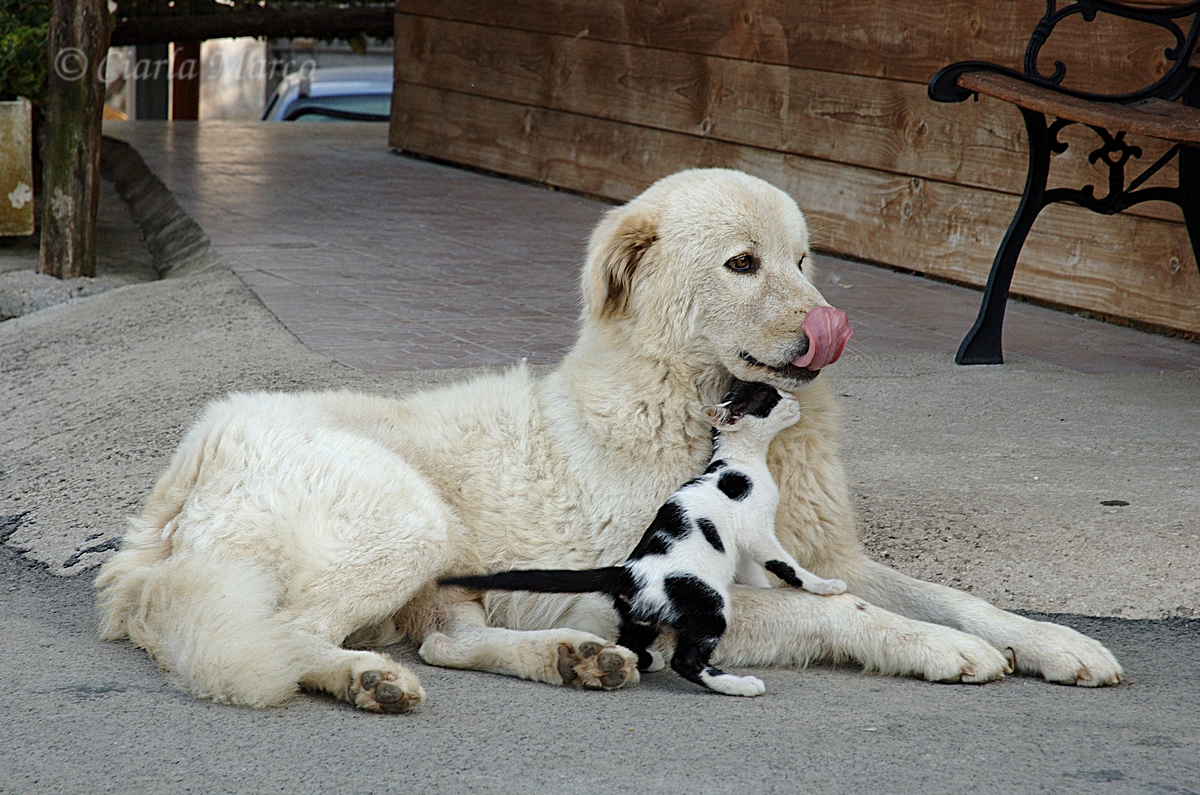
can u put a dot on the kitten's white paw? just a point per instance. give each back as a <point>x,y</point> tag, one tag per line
<point>730,685</point>
<point>657,663</point>
<point>825,587</point>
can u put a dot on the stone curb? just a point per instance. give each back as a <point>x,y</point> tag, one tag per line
<point>177,245</point>
<point>176,242</point>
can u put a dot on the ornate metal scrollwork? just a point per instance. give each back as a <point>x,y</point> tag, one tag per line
<point>1164,18</point>
<point>1115,152</point>
<point>1171,86</point>
<point>1181,81</point>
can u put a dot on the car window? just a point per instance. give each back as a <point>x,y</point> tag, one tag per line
<point>310,108</point>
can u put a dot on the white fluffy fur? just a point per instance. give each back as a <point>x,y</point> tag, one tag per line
<point>289,525</point>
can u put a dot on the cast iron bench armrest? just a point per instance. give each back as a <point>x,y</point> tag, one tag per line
<point>1157,118</point>
<point>1168,109</point>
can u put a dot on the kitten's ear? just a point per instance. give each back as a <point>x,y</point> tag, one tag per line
<point>719,416</point>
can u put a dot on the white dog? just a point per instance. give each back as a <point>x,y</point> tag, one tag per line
<point>290,529</point>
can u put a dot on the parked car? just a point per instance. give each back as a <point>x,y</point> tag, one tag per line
<point>339,93</point>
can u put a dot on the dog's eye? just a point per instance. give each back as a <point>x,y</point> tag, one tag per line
<point>743,263</point>
<point>800,264</point>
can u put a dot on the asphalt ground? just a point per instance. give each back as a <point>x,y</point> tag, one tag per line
<point>81,715</point>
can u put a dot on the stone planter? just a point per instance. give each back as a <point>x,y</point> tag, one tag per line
<point>16,168</point>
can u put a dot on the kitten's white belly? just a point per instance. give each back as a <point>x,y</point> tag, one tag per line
<point>692,556</point>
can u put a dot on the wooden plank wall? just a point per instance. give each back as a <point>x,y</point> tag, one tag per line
<point>825,100</point>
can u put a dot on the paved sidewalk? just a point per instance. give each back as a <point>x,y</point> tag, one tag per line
<point>993,479</point>
<point>385,262</point>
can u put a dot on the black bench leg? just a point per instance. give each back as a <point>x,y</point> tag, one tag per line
<point>982,345</point>
<point>1189,194</point>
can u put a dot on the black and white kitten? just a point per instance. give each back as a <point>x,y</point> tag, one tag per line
<point>716,527</point>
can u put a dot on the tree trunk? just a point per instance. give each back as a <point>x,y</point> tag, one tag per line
<point>71,158</point>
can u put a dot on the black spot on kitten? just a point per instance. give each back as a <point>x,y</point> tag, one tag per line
<point>734,485</point>
<point>784,572</point>
<point>697,604</point>
<point>710,534</point>
<point>651,544</point>
<point>671,520</point>
<point>669,523</point>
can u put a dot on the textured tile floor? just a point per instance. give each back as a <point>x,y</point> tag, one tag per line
<point>385,262</point>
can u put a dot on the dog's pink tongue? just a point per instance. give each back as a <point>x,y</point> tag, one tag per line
<point>827,330</point>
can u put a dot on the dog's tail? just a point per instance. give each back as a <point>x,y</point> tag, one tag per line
<point>609,580</point>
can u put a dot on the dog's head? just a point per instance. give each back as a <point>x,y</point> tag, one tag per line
<point>712,266</point>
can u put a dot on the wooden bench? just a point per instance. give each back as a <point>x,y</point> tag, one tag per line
<point>1168,109</point>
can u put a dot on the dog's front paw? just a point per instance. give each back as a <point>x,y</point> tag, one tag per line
<point>1060,654</point>
<point>596,666</point>
<point>953,656</point>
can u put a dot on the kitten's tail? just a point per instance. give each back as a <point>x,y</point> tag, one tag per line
<point>609,580</point>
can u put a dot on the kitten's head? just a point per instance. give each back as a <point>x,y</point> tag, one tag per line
<point>754,408</point>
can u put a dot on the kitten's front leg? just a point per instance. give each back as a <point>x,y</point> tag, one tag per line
<point>798,577</point>
<point>765,549</point>
<point>750,572</point>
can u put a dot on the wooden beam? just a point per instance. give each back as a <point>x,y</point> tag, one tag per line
<point>185,81</point>
<point>881,124</point>
<point>71,153</point>
<point>896,39</point>
<point>323,23</point>
<point>1123,265</point>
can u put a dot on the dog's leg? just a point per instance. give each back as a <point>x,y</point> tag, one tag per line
<point>1055,652</point>
<point>368,680</point>
<point>554,656</point>
<point>776,626</point>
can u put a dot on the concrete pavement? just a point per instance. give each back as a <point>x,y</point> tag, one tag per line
<point>989,479</point>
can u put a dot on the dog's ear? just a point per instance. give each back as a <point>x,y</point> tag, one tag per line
<point>617,247</point>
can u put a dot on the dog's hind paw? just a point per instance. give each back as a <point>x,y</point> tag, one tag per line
<point>386,691</point>
<point>596,666</point>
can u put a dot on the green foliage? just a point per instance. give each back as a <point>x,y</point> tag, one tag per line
<point>24,31</point>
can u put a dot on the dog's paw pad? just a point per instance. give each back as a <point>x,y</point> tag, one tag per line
<point>384,691</point>
<point>596,666</point>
